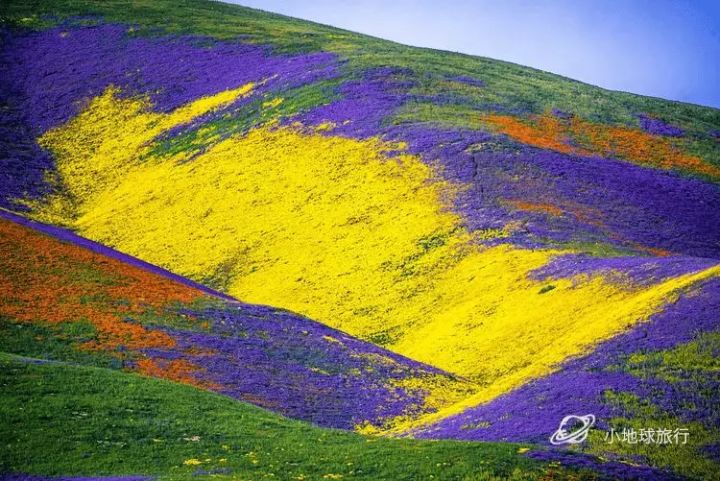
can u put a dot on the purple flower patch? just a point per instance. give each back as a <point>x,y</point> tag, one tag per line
<point>297,367</point>
<point>656,126</point>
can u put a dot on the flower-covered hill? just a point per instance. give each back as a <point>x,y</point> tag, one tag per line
<point>511,228</point>
<point>76,301</point>
<point>84,328</point>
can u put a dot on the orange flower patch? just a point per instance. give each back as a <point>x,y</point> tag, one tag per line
<point>178,370</point>
<point>540,207</point>
<point>577,136</point>
<point>46,280</point>
<point>542,131</point>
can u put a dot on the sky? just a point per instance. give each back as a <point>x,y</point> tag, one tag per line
<point>662,48</point>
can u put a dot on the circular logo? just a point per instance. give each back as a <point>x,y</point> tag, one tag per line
<point>573,429</point>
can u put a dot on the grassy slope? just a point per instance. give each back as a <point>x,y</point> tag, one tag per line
<point>508,84</point>
<point>66,419</point>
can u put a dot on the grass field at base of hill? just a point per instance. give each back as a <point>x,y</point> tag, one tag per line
<point>69,420</point>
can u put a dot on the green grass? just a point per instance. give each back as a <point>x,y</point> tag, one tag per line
<point>640,414</point>
<point>696,360</point>
<point>445,116</point>
<point>65,419</point>
<point>53,342</point>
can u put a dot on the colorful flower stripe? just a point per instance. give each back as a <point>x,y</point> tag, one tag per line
<point>300,368</point>
<point>70,237</point>
<point>265,356</point>
<point>533,412</point>
<point>50,282</point>
<point>50,74</point>
<point>580,137</point>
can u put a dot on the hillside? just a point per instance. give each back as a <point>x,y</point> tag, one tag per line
<point>70,366</point>
<point>62,302</point>
<point>449,246</point>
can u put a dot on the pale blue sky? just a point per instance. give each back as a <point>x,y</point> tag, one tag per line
<point>663,48</point>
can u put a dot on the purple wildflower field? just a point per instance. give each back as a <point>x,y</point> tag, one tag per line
<point>300,368</point>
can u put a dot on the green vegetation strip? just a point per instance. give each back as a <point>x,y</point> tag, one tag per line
<point>70,420</point>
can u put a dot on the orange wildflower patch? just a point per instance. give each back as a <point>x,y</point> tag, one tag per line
<point>654,251</point>
<point>577,136</point>
<point>540,207</point>
<point>46,280</point>
<point>178,370</point>
<point>541,131</point>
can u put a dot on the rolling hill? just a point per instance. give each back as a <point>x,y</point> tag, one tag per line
<point>356,234</point>
<point>66,303</point>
